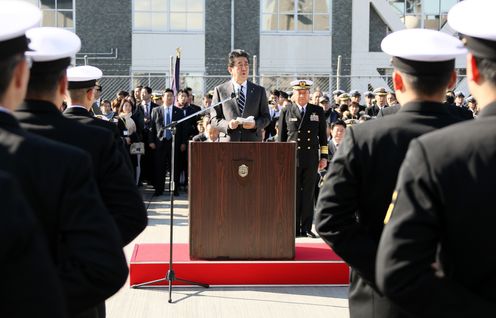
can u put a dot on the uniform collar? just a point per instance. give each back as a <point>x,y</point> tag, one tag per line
<point>38,106</point>
<point>429,107</point>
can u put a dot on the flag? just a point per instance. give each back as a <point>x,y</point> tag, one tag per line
<point>175,80</point>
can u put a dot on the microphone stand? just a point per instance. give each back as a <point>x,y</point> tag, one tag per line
<point>171,276</point>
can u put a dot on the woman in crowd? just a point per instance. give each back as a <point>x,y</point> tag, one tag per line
<point>128,130</point>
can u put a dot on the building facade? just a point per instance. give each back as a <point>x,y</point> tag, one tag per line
<point>290,38</point>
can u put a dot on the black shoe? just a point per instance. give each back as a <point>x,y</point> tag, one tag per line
<point>311,234</point>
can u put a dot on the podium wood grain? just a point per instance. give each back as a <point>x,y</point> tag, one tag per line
<point>232,217</point>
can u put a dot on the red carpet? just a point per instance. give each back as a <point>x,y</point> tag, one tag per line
<point>314,264</point>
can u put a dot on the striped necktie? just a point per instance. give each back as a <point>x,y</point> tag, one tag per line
<point>241,100</point>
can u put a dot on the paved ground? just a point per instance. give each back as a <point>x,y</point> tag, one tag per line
<point>237,302</point>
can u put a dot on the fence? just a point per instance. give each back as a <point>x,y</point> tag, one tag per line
<point>202,84</point>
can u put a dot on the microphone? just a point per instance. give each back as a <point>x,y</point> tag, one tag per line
<point>235,95</point>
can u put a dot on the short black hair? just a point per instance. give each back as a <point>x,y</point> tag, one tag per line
<point>189,89</point>
<point>7,66</point>
<point>237,53</point>
<point>283,94</point>
<point>208,95</point>
<point>429,85</point>
<point>148,89</point>
<point>487,68</point>
<point>168,90</point>
<point>275,92</point>
<point>46,81</point>
<point>183,90</point>
<point>338,122</point>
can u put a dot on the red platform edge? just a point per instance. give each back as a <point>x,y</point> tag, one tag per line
<point>314,264</point>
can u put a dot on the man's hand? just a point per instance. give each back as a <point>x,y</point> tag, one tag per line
<point>322,164</point>
<point>233,124</point>
<point>249,125</point>
<point>152,145</point>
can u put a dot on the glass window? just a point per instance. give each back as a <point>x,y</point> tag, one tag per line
<point>48,4</point>
<point>429,14</point>
<point>169,15</point>
<point>56,13</point>
<point>295,16</point>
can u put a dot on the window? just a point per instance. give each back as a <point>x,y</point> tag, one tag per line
<point>168,15</point>
<point>429,14</point>
<point>307,16</point>
<point>56,13</point>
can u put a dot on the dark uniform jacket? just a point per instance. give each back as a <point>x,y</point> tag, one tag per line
<point>30,286</point>
<point>354,199</point>
<point>460,112</point>
<point>256,106</point>
<point>444,210</point>
<point>115,182</point>
<point>309,132</point>
<point>58,182</point>
<point>85,117</point>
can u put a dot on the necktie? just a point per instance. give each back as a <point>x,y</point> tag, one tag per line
<point>168,134</point>
<point>241,100</point>
<point>302,112</point>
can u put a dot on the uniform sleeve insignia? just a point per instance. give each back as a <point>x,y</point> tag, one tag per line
<point>391,207</point>
<point>324,150</point>
<point>314,117</point>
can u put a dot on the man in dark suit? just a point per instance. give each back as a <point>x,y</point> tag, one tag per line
<point>95,107</point>
<point>274,111</point>
<point>443,205</point>
<point>251,101</point>
<point>32,288</point>
<point>161,141</point>
<point>145,110</point>
<point>58,185</point>
<point>358,188</point>
<point>39,115</point>
<point>305,124</point>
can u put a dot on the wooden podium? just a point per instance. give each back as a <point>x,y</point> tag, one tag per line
<point>242,200</point>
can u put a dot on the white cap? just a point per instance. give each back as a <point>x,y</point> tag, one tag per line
<point>474,18</point>
<point>15,18</point>
<point>422,45</point>
<point>475,21</point>
<point>50,44</point>
<point>422,51</point>
<point>301,84</point>
<point>83,76</point>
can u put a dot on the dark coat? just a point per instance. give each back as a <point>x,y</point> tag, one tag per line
<point>58,182</point>
<point>460,112</point>
<point>443,210</point>
<point>85,117</point>
<point>114,179</point>
<point>30,284</point>
<point>310,132</point>
<point>357,191</point>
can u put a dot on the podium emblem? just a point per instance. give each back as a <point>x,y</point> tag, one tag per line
<point>243,170</point>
